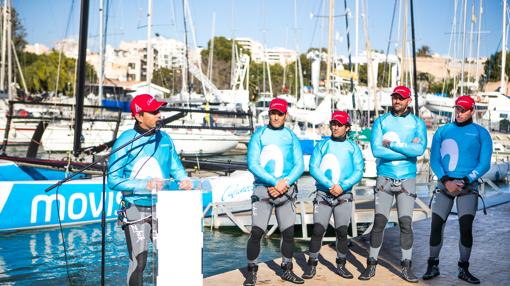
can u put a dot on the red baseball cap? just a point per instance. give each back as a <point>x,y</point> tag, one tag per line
<point>145,102</point>
<point>278,104</point>
<point>402,91</point>
<point>465,102</point>
<point>342,117</point>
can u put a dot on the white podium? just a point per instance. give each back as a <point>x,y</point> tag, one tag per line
<point>180,239</point>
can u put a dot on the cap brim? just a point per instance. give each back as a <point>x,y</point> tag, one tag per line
<point>347,123</point>
<point>463,107</point>
<point>271,109</point>
<point>156,106</point>
<point>396,93</point>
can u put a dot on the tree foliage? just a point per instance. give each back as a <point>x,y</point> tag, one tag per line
<point>424,51</point>
<point>383,78</point>
<point>19,33</point>
<point>443,87</point>
<point>41,72</point>
<point>169,78</point>
<point>492,67</point>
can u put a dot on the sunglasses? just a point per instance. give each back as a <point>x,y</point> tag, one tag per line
<point>336,123</point>
<point>462,110</point>
<point>274,111</point>
<point>398,97</point>
<point>155,112</point>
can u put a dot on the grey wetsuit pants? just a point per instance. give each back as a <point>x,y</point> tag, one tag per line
<point>467,204</point>
<point>385,190</point>
<point>326,205</point>
<point>262,207</point>
<point>137,237</point>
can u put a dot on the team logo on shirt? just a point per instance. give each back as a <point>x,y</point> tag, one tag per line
<point>146,168</point>
<point>450,148</point>
<point>393,137</point>
<point>271,159</point>
<point>330,167</point>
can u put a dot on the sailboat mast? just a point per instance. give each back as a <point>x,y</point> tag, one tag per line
<point>101,50</point>
<point>478,41</point>
<point>356,28</point>
<point>4,47</point>
<point>330,43</point>
<point>370,71</point>
<point>9,50</point>
<point>81,74</point>
<point>463,49</point>
<point>416,111</point>
<point>503,51</point>
<point>186,84</point>
<point>211,50</point>
<point>233,58</point>
<point>349,54</point>
<point>473,19</point>
<point>149,45</point>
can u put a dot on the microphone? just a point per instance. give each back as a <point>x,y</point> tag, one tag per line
<point>162,122</point>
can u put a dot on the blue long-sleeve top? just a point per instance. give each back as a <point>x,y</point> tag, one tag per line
<point>131,168</point>
<point>398,160</point>
<point>336,162</point>
<point>274,155</point>
<point>461,151</point>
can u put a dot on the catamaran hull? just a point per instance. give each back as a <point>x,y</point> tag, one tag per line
<point>25,205</point>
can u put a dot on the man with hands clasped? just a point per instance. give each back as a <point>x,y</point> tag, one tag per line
<point>276,161</point>
<point>337,165</point>
<point>460,154</point>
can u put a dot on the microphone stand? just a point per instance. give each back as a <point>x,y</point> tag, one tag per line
<point>102,161</point>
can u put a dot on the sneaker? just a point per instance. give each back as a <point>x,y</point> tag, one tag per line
<point>251,276</point>
<point>290,276</point>
<point>311,270</point>
<point>465,275</point>
<point>342,270</point>
<point>407,271</point>
<point>432,269</point>
<point>370,270</point>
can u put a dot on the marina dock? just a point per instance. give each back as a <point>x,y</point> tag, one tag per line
<point>489,258</point>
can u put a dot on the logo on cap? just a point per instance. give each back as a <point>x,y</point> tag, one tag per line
<point>342,117</point>
<point>402,91</point>
<point>465,101</point>
<point>278,104</point>
<point>145,102</point>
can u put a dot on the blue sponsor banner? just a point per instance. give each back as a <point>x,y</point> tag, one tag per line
<point>26,205</point>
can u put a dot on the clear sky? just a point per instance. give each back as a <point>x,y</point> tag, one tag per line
<point>272,22</point>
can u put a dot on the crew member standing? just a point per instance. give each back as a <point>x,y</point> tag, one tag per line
<point>276,161</point>
<point>460,154</point>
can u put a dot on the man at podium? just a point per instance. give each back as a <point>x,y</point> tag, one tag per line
<point>136,171</point>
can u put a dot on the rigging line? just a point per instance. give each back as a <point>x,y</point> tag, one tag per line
<point>450,47</point>
<point>315,25</point>
<point>389,42</point>
<point>105,33</point>
<point>62,45</point>
<point>62,235</point>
